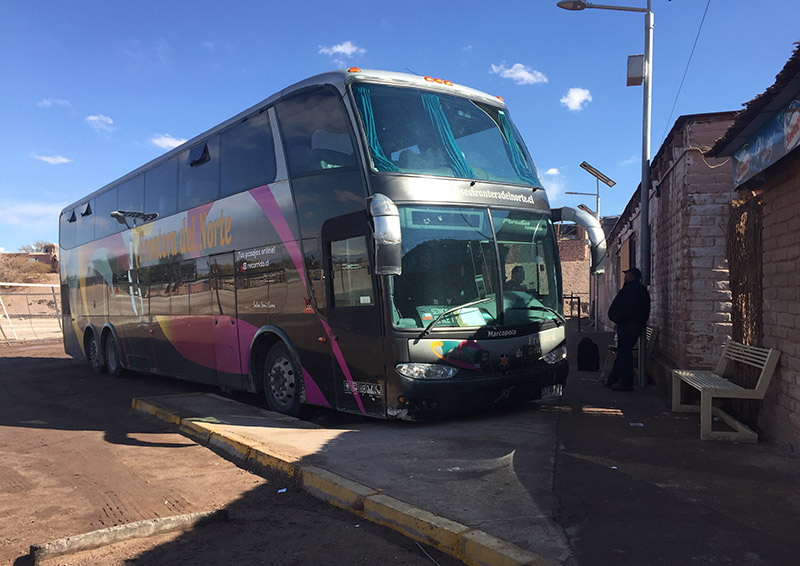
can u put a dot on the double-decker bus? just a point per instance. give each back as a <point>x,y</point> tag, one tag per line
<point>374,242</point>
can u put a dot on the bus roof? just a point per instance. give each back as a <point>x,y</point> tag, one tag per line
<point>338,79</point>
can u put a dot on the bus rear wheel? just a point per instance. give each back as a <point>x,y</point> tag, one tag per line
<point>112,357</point>
<point>281,382</point>
<point>93,353</point>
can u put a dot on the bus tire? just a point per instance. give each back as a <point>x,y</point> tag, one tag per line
<point>112,357</point>
<point>281,382</point>
<point>93,355</point>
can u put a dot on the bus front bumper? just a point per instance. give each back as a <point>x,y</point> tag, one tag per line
<point>422,399</point>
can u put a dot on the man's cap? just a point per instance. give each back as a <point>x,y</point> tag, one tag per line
<point>635,272</point>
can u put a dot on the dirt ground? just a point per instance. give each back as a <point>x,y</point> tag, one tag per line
<point>75,458</point>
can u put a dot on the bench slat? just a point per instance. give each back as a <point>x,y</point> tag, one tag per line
<point>706,380</point>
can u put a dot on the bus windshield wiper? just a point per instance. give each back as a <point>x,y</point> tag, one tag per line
<point>436,320</point>
<point>542,308</point>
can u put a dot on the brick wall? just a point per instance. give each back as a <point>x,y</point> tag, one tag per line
<point>575,266</point>
<point>780,415</point>
<point>689,208</point>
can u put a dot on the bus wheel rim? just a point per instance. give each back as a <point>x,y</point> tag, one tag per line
<point>282,381</point>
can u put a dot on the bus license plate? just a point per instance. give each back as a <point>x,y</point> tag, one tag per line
<point>552,391</point>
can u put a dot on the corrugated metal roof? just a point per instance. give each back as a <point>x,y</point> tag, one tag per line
<point>761,109</point>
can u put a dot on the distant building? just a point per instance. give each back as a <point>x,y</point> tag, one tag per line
<point>48,256</point>
<point>574,250</point>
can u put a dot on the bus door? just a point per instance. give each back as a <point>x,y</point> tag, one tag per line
<point>354,315</point>
<point>225,326</point>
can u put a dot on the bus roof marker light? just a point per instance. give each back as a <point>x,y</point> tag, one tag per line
<point>440,81</point>
<point>500,98</point>
<point>448,83</point>
<point>429,79</point>
<point>354,70</point>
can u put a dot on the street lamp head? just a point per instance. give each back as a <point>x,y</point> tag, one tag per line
<point>597,174</point>
<point>575,5</point>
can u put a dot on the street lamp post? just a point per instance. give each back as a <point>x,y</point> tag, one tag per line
<point>598,177</point>
<point>644,190</point>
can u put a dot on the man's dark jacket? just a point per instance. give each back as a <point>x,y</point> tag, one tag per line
<point>631,305</point>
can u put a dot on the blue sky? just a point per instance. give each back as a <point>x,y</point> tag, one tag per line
<point>92,90</point>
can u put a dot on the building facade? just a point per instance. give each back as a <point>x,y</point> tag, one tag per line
<point>764,146</point>
<point>689,210</point>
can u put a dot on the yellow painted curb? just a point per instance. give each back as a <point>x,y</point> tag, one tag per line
<point>482,549</point>
<point>336,490</point>
<point>260,457</point>
<point>231,444</point>
<point>197,431</point>
<point>473,547</point>
<point>160,413</point>
<point>415,523</point>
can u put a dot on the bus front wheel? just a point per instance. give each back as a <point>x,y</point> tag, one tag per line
<point>282,382</point>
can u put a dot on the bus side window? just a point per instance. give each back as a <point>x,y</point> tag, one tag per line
<point>248,156</point>
<point>130,196</point>
<point>198,174</point>
<point>352,284</point>
<point>85,221</point>
<point>316,133</point>
<point>68,228</point>
<point>319,143</point>
<point>161,189</point>
<point>104,224</point>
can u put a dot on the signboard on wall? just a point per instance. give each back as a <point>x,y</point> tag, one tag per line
<point>774,140</point>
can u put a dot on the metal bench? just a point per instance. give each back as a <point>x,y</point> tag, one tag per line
<point>712,385</point>
<point>650,334</point>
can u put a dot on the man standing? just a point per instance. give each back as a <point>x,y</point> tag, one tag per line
<point>629,311</point>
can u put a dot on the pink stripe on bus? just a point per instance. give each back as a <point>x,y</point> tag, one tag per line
<point>266,200</point>
<point>313,393</point>
<point>337,352</point>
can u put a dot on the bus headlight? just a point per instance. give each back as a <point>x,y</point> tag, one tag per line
<point>554,356</point>
<point>425,371</point>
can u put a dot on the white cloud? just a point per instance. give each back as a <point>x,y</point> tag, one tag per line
<point>631,160</point>
<point>552,172</point>
<point>346,49</point>
<point>555,186</point>
<point>519,73</point>
<point>29,215</point>
<point>51,159</point>
<point>467,48</point>
<point>50,102</point>
<point>2,250</point>
<point>101,123</point>
<point>166,141</point>
<point>576,99</point>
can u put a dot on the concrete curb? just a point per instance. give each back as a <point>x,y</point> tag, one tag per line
<point>111,535</point>
<point>473,547</point>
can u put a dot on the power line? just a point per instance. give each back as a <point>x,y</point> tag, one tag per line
<point>675,103</point>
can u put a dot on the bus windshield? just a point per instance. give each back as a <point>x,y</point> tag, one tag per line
<point>458,256</point>
<point>414,131</point>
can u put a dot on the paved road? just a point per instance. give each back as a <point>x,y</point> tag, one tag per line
<point>75,458</point>
<point>606,477</point>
